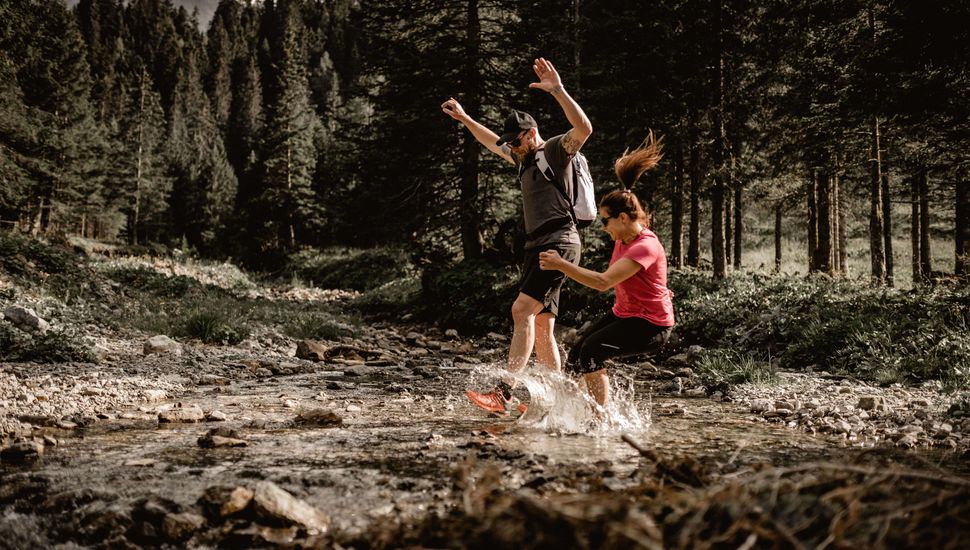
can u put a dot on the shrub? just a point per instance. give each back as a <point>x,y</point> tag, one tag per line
<point>57,346</point>
<point>215,327</point>
<point>360,269</point>
<point>316,326</point>
<point>148,280</point>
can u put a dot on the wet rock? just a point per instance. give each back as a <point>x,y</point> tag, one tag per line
<point>451,333</point>
<point>263,372</point>
<point>352,408</point>
<point>238,500</point>
<point>179,527</point>
<point>216,416</point>
<point>496,337</point>
<point>181,414</point>
<point>26,319</point>
<point>323,418</point>
<point>311,350</point>
<point>161,345</point>
<point>220,501</point>
<point>23,451</point>
<point>694,353</point>
<point>274,503</point>
<point>685,372</point>
<point>221,437</point>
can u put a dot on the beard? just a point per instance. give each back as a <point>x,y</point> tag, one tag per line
<point>527,150</point>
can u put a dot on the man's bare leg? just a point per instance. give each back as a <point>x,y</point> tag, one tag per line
<point>524,312</point>
<point>547,350</point>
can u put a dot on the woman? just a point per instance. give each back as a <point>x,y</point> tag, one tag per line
<point>643,314</point>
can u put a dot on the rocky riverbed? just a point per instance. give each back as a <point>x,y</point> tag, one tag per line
<point>275,440</point>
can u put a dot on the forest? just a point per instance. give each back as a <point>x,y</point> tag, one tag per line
<point>289,124</point>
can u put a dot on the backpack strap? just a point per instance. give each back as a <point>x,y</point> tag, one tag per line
<point>547,172</point>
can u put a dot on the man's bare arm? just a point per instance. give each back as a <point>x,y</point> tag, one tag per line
<point>581,127</point>
<point>484,136</point>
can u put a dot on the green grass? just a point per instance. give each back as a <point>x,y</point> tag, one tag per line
<point>727,367</point>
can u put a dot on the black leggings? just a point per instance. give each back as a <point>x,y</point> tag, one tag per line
<point>614,336</point>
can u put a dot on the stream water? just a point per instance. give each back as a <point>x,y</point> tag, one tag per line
<point>403,440</point>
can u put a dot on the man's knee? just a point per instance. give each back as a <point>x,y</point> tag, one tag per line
<point>525,308</point>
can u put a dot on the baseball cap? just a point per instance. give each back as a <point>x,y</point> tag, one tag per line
<point>514,124</point>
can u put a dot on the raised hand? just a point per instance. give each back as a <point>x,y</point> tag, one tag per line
<point>453,109</point>
<point>549,79</point>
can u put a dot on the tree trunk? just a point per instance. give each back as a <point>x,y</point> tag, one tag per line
<point>926,264</point>
<point>877,251</point>
<point>133,233</point>
<point>823,250</point>
<point>677,210</point>
<point>694,231</point>
<point>843,239</point>
<point>914,229</point>
<point>812,221</point>
<point>728,233</point>
<point>778,238</point>
<point>887,226</point>
<point>962,234</point>
<point>471,233</point>
<point>717,157</point>
<point>835,225</point>
<point>738,191</point>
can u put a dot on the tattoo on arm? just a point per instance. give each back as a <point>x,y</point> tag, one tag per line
<point>570,144</point>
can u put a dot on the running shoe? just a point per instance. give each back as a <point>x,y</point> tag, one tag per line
<point>493,402</point>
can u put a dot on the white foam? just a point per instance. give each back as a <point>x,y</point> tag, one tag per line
<point>558,404</point>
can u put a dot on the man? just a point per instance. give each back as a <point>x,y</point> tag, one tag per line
<point>549,224</point>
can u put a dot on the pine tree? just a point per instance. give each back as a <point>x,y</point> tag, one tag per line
<point>288,156</point>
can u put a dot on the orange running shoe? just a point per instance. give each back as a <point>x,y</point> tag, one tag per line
<point>493,402</point>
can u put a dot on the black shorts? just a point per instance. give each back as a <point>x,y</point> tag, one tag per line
<point>544,285</point>
<point>614,336</point>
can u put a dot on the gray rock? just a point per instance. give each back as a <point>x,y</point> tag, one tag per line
<point>871,402</point>
<point>179,527</point>
<point>181,414</point>
<point>26,319</point>
<point>160,345</point>
<point>272,502</point>
<point>451,333</point>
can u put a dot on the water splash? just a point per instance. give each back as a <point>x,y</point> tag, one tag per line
<point>558,404</point>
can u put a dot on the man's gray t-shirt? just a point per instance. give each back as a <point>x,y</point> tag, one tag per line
<point>542,202</point>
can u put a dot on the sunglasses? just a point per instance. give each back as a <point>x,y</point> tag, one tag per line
<point>516,142</point>
<point>605,220</point>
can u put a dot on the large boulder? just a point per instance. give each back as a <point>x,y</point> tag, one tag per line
<point>26,319</point>
<point>275,504</point>
<point>162,344</point>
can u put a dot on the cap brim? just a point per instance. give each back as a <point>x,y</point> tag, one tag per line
<point>505,138</point>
